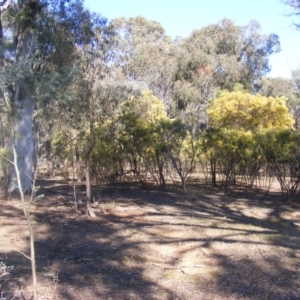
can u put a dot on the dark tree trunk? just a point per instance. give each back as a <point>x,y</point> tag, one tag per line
<point>213,172</point>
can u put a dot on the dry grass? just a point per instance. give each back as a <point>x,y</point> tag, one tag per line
<point>151,244</point>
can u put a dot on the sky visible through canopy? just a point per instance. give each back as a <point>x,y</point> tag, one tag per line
<point>181,17</point>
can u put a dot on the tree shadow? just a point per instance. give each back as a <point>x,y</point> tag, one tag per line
<point>159,245</point>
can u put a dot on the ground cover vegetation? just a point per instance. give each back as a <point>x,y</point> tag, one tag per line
<point>112,107</point>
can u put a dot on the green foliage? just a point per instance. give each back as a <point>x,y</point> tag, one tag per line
<point>147,107</point>
<point>60,144</point>
<point>183,149</point>
<point>130,136</point>
<point>4,157</point>
<point>232,53</point>
<point>185,93</point>
<point>294,101</point>
<point>142,136</point>
<point>146,54</point>
<point>107,158</point>
<point>232,150</point>
<point>281,149</point>
<point>199,80</point>
<point>25,17</point>
<point>276,87</point>
<point>239,123</point>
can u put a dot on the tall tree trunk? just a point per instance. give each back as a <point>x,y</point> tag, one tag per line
<point>21,103</point>
<point>21,139</point>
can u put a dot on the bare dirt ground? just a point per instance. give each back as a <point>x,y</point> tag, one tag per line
<point>152,244</point>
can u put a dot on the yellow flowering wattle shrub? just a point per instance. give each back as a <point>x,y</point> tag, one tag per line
<point>244,111</point>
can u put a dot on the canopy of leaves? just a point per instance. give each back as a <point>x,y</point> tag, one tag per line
<point>276,87</point>
<point>248,112</point>
<point>146,106</point>
<point>146,53</point>
<point>233,53</point>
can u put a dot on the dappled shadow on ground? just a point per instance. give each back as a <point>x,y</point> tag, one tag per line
<point>152,244</point>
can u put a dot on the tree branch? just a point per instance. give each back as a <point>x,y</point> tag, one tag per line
<point>4,5</point>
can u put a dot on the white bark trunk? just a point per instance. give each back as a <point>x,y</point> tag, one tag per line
<point>22,111</point>
<point>21,138</point>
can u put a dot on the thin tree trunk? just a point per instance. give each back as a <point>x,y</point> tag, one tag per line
<point>213,172</point>
<point>73,178</point>
<point>4,163</point>
<point>30,229</point>
<point>88,189</point>
<point>88,166</point>
<point>36,147</point>
<point>183,182</point>
<point>79,174</point>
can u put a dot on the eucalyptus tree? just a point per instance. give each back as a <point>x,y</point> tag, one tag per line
<point>193,87</point>
<point>276,86</point>
<point>219,56</point>
<point>235,54</point>
<point>254,54</point>
<point>145,53</point>
<point>215,47</point>
<point>97,90</point>
<point>88,99</point>
<point>18,46</point>
<point>97,99</point>
<point>35,46</point>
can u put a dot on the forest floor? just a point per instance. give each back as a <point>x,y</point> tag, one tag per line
<point>152,244</point>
